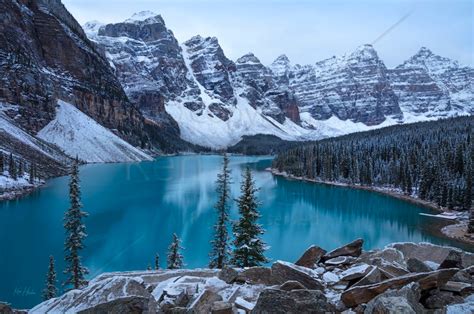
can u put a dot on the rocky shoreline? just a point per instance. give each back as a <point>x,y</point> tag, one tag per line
<point>402,277</point>
<point>455,229</point>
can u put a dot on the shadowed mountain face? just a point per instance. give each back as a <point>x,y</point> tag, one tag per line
<point>46,56</point>
<point>198,85</point>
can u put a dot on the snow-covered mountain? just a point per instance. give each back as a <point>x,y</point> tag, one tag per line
<point>79,135</point>
<point>216,101</point>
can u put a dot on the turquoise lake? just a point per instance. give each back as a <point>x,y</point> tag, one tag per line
<point>135,208</point>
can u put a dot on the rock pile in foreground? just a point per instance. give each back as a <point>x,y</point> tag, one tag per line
<point>401,278</point>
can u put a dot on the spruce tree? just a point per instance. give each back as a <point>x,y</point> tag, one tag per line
<point>2,163</point>
<point>50,289</point>
<point>470,226</point>
<point>248,246</point>
<point>157,261</point>
<point>467,202</point>
<point>175,259</point>
<point>220,245</point>
<point>32,174</point>
<point>75,233</point>
<point>12,168</point>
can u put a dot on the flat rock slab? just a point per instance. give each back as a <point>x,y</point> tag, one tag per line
<point>351,249</point>
<point>311,257</point>
<point>363,294</point>
<point>431,252</point>
<point>296,301</point>
<point>283,272</point>
<point>256,275</point>
<point>340,260</point>
<point>355,272</point>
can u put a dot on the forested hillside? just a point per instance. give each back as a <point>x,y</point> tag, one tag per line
<point>433,161</point>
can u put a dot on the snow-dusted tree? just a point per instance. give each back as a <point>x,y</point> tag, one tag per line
<point>12,168</point>
<point>2,163</point>
<point>50,289</point>
<point>219,255</point>
<point>157,261</point>
<point>467,201</point>
<point>175,259</point>
<point>75,233</point>
<point>32,174</point>
<point>249,248</point>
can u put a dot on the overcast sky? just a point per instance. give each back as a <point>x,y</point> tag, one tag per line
<point>307,30</point>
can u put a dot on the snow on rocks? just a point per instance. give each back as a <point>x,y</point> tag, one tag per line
<point>79,135</point>
<point>283,287</point>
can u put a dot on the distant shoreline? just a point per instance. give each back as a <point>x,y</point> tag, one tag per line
<point>453,229</point>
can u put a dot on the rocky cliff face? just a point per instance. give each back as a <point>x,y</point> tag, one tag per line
<point>205,92</point>
<point>46,56</point>
<point>434,86</point>
<point>353,87</point>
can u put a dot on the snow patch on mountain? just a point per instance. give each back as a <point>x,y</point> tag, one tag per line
<point>79,135</point>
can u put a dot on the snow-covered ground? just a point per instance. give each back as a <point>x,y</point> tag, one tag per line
<point>79,135</point>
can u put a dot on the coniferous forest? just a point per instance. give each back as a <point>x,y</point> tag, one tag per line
<point>432,161</point>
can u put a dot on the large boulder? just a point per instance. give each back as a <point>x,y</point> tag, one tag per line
<point>404,300</point>
<point>117,292</point>
<point>431,252</point>
<point>228,274</point>
<point>391,255</point>
<point>430,280</point>
<point>203,302</point>
<point>292,285</point>
<point>296,301</point>
<point>311,257</point>
<point>131,304</point>
<point>438,299</point>
<point>416,266</point>
<point>356,272</point>
<point>374,276</point>
<point>283,272</point>
<point>256,275</point>
<point>453,260</point>
<point>351,249</point>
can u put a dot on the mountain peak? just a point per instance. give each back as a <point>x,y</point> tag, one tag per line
<point>424,52</point>
<point>248,58</point>
<point>145,16</point>
<point>281,59</point>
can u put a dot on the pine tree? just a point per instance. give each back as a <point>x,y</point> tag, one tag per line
<point>220,245</point>
<point>148,267</point>
<point>157,261</point>
<point>467,202</point>
<point>2,163</point>
<point>470,226</point>
<point>50,289</point>
<point>175,259</point>
<point>12,168</point>
<point>75,233</point>
<point>32,174</point>
<point>248,246</point>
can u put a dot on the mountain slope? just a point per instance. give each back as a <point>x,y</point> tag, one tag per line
<point>79,135</point>
<point>215,102</point>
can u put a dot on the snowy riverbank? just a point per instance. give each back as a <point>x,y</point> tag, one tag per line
<point>457,222</point>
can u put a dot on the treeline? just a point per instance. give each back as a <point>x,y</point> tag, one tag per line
<point>433,161</point>
<point>17,168</point>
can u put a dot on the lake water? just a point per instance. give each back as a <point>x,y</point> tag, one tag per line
<point>135,208</point>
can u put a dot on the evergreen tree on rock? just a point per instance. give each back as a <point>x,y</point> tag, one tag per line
<point>50,290</point>
<point>249,248</point>
<point>175,259</point>
<point>75,233</point>
<point>157,261</point>
<point>219,255</point>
